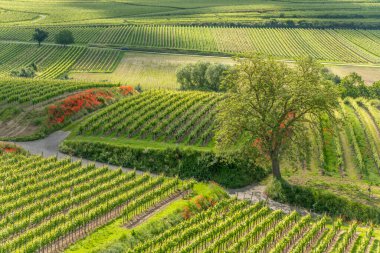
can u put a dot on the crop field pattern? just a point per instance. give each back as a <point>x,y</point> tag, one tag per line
<point>355,46</point>
<point>75,200</point>
<point>36,91</point>
<point>236,226</point>
<point>168,116</point>
<point>189,118</point>
<point>97,60</point>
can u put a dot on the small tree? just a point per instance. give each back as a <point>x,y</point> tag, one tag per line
<point>268,105</point>
<point>40,36</point>
<point>29,71</point>
<point>64,37</point>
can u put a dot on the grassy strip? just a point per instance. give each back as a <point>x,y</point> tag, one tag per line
<point>114,236</point>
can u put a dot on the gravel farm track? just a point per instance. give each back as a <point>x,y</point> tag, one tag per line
<point>49,146</point>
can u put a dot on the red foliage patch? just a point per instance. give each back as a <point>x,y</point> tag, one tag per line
<point>196,205</point>
<point>9,148</point>
<point>126,90</point>
<point>87,100</point>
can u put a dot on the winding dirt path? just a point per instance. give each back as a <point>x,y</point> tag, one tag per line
<point>256,193</point>
<point>49,146</point>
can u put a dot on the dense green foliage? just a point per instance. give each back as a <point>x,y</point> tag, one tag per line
<point>64,37</point>
<point>201,76</point>
<point>354,86</point>
<point>29,71</point>
<point>40,35</point>
<point>267,108</point>
<point>186,163</point>
<point>321,201</point>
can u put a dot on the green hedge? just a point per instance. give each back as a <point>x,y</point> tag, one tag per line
<point>186,163</point>
<point>322,201</point>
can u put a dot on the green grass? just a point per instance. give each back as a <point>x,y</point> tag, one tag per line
<point>149,70</point>
<point>111,233</point>
<point>137,143</point>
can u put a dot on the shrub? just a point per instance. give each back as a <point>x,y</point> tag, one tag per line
<point>27,72</point>
<point>322,201</point>
<point>186,163</point>
<point>201,76</point>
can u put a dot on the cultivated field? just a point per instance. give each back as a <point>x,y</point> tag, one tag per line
<point>75,200</point>
<point>112,92</point>
<point>349,151</point>
<point>29,12</point>
<point>150,70</point>
<point>286,43</point>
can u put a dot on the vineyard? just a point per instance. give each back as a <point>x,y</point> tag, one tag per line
<point>114,134</point>
<point>97,60</point>
<point>36,91</point>
<point>236,226</point>
<point>362,13</point>
<point>47,204</point>
<point>168,116</point>
<point>53,61</point>
<point>189,118</point>
<point>357,46</point>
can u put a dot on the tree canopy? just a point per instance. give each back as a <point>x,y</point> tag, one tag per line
<point>201,76</point>
<point>40,36</point>
<point>269,104</point>
<point>64,37</point>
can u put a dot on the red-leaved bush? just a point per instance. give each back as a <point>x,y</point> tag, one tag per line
<point>9,148</point>
<point>89,100</point>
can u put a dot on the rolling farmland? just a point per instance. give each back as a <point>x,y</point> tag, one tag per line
<point>354,46</point>
<point>290,163</point>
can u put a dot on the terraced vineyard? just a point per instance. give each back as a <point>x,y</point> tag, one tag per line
<point>170,116</point>
<point>75,200</point>
<point>35,91</point>
<point>98,60</point>
<point>236,226</point>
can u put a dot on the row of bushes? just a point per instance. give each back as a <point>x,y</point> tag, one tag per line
<point>186,163</point>
<point>290,23</point>
<point>322,201</point>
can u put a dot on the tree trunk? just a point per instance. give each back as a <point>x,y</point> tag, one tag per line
<point>276,166</point>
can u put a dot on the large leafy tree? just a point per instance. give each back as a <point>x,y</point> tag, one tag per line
<point>268,105</point>
<point>64,37</point>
